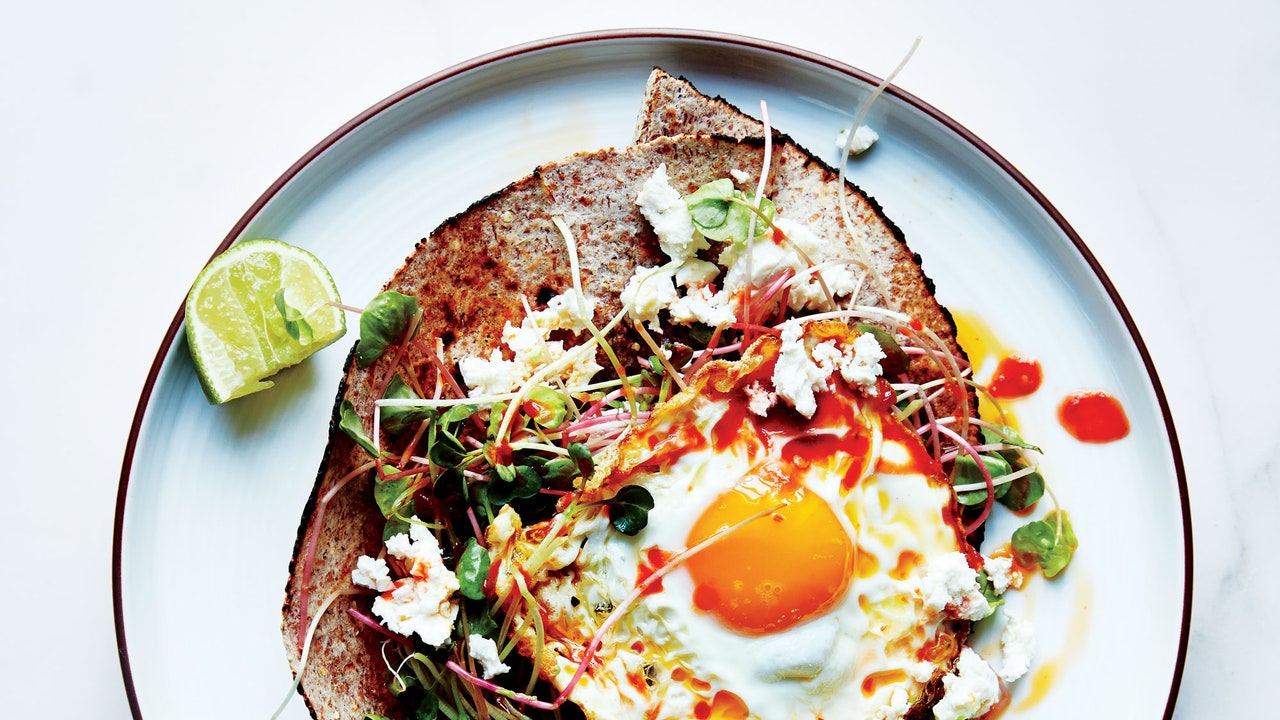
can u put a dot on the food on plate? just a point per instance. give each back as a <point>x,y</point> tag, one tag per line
<point>670,430</point>
<point>255,309</point>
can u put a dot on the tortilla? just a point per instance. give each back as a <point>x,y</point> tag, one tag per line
<point>470,275</point>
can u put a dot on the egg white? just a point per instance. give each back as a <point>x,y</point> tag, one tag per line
<point>806,671</point>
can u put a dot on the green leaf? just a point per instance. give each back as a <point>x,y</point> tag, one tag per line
<point>395,525</point>
<point>428,708</point>
<point>513,482</point>
<point>581,456</point>
<point>629,509</point>
<point>546,406</point>
<point>473,570</point>
<point>988,591</point>
<point>506,473</point>
<point>1006,435</point>
<point>349,422</point>
<point>480,621</point>
<point>559,471</point>
<point>398,419</point>
<point>966,472</point>
<point>447,451</point>
<point>294,322</point>
<point>1038,543</point>
<point>722,212</point>
<point>390,494</point>
<point>709,204</point>
<point>1023,492</point>
<point>383,321</point>
<point>495,421</point>
<point>457,414</point>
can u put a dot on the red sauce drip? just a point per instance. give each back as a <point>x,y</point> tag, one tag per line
<point>673,443</point>
<point>1016,376</point>
<point>1093,417</point>
<point>729,427</point>
<point>653,560</point>
<point>921,461</point>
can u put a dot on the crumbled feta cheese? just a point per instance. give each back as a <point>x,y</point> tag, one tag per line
<point>770,258</point>
<point>569,310</point>
<point>898,705</point>
<point>950,585</point>
<point>533,350</point>
<point>648,292</point>
<point>696,272</point>
<point>415,606</point>
<point>760,399</point>
<point>1001,573</point>
<point>529,343</point>
<point>492,376</point>
<point>485,651</point>
<point>667,212</point>
<point>863,138</point>
<point>795,375</point>
<point>861,368</point>
<point>739,176</point>
<point>968,692</point>
<point>372,573</point>
<point>702,304</point>
<point>1018,646</point>
<point>419,549</point>
<point>423,602</point>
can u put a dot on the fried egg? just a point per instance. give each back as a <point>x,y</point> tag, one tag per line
<point>812,609</point>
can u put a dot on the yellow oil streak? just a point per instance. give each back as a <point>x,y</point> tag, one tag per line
<point>1045,676</point>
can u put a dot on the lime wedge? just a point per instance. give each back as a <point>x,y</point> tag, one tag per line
<point>259,307</point>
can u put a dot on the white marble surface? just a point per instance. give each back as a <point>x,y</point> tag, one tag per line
<point>134,135</point>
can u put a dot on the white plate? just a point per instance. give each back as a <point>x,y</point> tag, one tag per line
<point>210,497</point>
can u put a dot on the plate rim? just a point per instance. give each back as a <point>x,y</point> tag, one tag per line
<point>664,35</point>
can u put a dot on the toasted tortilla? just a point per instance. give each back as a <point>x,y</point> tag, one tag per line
<point>470,275</point>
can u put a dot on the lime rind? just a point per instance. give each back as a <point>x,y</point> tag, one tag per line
<point>236,333</point>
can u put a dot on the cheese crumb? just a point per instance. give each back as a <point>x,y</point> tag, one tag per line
<point>897,707</point>
<point>1018,645</point>
<point>1001,573</point>
<point>648,292</point>
<point>951,586</point>
<point>861,368</point>
<point>665,209</point>
<point>372,573</point>
<point>422,603</point>
<point>533,349</point>
<point>970,691</point>
<point>863,138</point>
<point>760,398</point>
<point>485,651</point>
<point>795,375</point>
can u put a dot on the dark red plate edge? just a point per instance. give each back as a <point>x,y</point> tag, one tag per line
<point>659,34</point>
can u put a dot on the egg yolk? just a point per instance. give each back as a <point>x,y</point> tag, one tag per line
<point>776,571</point>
